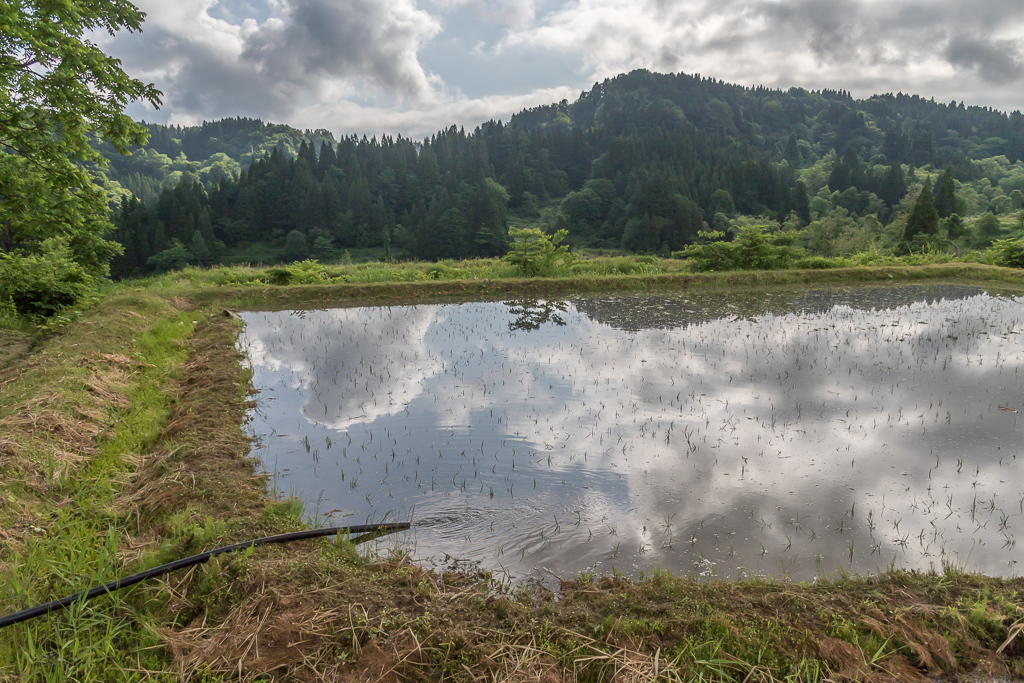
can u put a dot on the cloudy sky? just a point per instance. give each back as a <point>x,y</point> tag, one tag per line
<point>414,66</point>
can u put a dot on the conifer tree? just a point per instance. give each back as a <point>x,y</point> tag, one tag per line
<point>945,194</point>
<point>792,153</point>
<point>893,186</point>
<point>198,250</point>
<point>326,161</point>
<point>800,202</point>
<point>923,219</point>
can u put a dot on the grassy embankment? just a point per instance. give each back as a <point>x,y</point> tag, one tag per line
<point>121,447</point>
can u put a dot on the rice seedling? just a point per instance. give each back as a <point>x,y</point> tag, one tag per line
<point>668,410</point>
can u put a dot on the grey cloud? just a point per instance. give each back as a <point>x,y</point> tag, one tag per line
<point>668,59</point>
<point>884,46</point>
<point>984,16</point>
<point>849,31</point>
<point>360,63</point>
<point>893,17</point>
<point>997,61</point>
<point>364,49</point>
<point>833,32</point>
<point>834,36</point>
<point>205,84</point>
<point>360,40</point>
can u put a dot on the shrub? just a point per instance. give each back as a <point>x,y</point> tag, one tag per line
<point>174,257</point>
<point>40,285</point>
<point>439,272</point>
<point>535,254</point>
<point>1009,253</point>
<point>295,247</point>
<point>987,228</point>
<point>309,272</point>
<point>630,266</point>
<point>753,249</point>
<point>713,254</point>
<point>815,263</point>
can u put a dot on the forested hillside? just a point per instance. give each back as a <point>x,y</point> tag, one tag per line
<point>209,152</point>
<point>641,162</point>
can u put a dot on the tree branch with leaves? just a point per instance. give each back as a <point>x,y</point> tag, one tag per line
<point>537,254</point>
<point>58,93</point>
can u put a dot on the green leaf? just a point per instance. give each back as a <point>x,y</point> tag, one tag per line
<point>58,93</point>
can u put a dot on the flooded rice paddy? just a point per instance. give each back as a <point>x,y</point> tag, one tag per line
<point>787,433</point>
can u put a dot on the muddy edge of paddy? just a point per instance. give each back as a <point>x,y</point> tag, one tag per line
<point>311,296</point>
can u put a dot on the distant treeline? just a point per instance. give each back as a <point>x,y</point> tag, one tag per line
<point>641,162</point>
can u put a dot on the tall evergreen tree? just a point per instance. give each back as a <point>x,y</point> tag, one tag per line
<point>893,186</point>
<point>945,194</point>
<point>923,219</point>
<point>295,247</point>
<point>198,250</point>
<point>800,202</point>
<point>792,153</point>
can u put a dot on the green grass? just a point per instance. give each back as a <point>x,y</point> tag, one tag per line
<point>592,266</point>
<point>77,540</point>
<point>261,254</point>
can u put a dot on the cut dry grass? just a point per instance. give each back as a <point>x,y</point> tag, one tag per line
<point>75,417</point>
<point>258,636</point>
<point>14,345</point>
<point>200,460</point>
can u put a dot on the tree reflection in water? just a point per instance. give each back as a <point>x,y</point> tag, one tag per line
<point>530,314</point>
<point>788,432</point>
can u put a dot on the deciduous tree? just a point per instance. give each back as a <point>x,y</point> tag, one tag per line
<point>58,92</point>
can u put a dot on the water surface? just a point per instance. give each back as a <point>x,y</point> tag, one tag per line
<point>781,432</point>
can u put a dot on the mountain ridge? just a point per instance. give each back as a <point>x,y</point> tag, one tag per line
<point>640,162</point>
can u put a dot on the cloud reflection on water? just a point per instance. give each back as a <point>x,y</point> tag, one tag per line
<point>777,442</point>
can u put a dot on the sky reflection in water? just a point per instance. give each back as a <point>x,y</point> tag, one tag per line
<point>783,432</point>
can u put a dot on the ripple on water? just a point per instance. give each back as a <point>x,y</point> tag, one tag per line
<point>785,432</point>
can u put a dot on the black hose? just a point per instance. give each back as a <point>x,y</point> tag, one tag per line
<point>368,530</point>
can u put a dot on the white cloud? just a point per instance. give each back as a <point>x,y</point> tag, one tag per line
<point>318,44</point>
<point>344,65</point>
<point>866,46</point>
<point>511,12</point>
<point>309,51</point>
<point>357,65</point>
<point>343,116</point>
